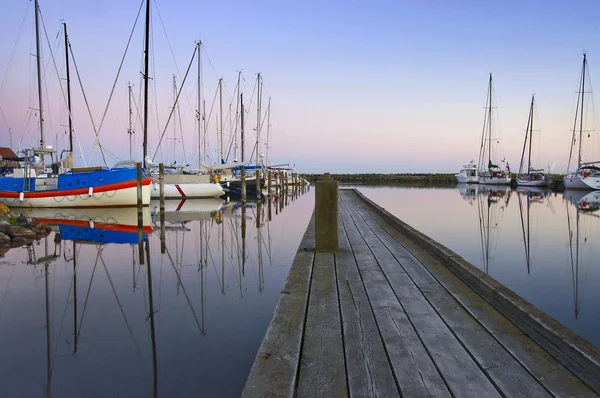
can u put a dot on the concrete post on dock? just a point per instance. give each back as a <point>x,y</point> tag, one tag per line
<point>326,215</point>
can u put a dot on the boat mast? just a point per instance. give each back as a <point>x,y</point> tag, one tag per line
<point>582,106</point>
<point>490,122</point>
<point>199,104</point>
<point>221,116</point>
<point>174,118</point>
<point>68,88</point>
<point>146,59</point>
<point>237,104</point>
<point>530,133</point>
<point>268,128</point>
<point>38,56</point>
<point>525,143</point>
<point>130,129</point>
<point>242,127</point>
<point>258,105</point>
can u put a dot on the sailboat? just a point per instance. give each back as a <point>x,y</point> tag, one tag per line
<point>494,175</point>
<point>587,174</point>
<point>529,176</point>
<point>43,180</point>
<point>185,185</point>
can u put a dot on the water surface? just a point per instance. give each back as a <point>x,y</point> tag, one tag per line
<point>544,246</point>
<point>81,317</point>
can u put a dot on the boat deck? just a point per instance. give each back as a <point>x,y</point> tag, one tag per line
<point>383,317</point>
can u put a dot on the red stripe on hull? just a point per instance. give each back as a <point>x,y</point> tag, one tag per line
<point>75,192</point>
<point>107,226</point>
<point>180,190</point>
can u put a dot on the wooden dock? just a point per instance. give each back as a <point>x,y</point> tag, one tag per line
<point>394,313</point>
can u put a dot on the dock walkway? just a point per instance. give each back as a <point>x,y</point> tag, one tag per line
<point>384,317</point>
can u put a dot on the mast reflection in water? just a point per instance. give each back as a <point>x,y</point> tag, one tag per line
<point>544,246</point>
<point>95,309</point>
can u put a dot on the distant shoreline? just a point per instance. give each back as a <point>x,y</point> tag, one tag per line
<point>403,178</point>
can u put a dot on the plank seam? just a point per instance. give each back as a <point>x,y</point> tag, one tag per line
<point>523,328</point>
<point>483,369</point>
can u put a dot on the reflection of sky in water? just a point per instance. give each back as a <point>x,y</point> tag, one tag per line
<point>206,337</point>
<point>452,217</point>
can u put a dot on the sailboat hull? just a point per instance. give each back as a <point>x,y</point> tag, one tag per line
<point>495,180</point>
<point>188,191</point>
<point>121,194</point>
<point>581,182</point>
<point>525,182</point>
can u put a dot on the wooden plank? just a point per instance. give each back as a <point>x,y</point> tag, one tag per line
<point>274,371</point>
<point>413,368</point>
<point>555,378</point>
<point>322,367</point>
<point>368,370</point>
<point>462,374</point>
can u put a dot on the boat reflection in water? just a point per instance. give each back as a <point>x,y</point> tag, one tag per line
<point>580,226</point>
<point>528,196</point>
<point>125,291</point>
<point>492,201</point>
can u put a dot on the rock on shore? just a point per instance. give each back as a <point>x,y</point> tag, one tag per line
<point>19,230</point>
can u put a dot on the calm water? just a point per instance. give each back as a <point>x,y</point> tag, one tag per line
<point>188,322</point>
<point>544,246</point>
<point>103,332</point>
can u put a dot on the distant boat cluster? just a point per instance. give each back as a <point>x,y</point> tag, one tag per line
<point>586,176</point>
<point>40,177</point>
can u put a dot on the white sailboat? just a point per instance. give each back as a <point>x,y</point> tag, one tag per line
<point>494,174</point>
<point>529,176</point>
<point>587,174</point>
<point>180,184</point>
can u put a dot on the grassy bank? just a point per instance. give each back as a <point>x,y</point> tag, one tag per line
<point>399,178</point>
<point>412,179</point>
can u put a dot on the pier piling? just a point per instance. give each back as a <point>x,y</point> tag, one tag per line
<point>326,213</point>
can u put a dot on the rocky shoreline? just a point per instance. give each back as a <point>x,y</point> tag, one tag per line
<point>18,230</point>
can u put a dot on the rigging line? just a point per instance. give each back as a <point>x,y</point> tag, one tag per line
<point>213,67</point>
<point>62,322</point>
<point>171,50</point>
<point>187,297</point>
<point>120,67</point>
<point>87,105</point>
<point>112,286</point>
<point>6,291</point>
<point>14,50</point>
<point>62,91</point>
<point>154,90</point>
<point>87,295</point>
<point>176,99</point>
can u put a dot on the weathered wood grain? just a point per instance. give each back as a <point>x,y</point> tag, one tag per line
<point>322,366</point>
<point>368,370</point>
<point>275,368</point>
<point>413,368</point>
<point>460,372</point>
<point>424,267</point>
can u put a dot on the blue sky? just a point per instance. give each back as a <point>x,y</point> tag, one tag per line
<point>381,86</point>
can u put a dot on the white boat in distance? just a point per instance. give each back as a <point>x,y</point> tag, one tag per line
<point>468,174</point>
<point>587,174</point>
<point>528,176</point>
<point>494,175</point>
